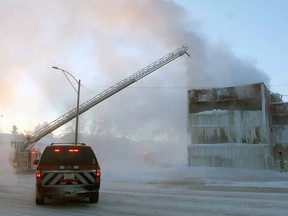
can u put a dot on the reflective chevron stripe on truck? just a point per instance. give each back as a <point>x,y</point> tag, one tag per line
<point>81,178</point>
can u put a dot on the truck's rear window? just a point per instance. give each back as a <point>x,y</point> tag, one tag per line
<point>63,155</point>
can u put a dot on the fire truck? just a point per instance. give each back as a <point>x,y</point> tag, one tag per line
<point>24,153</point>
<point>23,160</point>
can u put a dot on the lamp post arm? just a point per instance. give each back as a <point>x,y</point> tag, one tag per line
<point>65,73</point>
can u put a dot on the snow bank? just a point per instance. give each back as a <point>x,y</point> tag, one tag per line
<point>253,184</point>
<point>228,177</point>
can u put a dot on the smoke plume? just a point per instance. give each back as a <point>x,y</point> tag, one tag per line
<point>102,43</point>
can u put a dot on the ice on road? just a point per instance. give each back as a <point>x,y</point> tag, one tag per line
<point>160,191</point>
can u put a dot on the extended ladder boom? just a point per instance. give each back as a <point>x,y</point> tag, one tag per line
<point>37,135</point>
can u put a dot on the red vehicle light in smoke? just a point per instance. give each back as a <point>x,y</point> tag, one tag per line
<point>73,150</point>
<point>38,175</point>
<point>57,150</point>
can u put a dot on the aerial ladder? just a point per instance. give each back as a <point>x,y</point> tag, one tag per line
<point>37,135</point>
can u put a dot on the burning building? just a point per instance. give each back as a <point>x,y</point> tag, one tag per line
<point>239,127</point>
<point>279,128</point>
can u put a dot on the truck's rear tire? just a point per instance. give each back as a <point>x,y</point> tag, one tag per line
<point>40,199</point>
<point>94,197</point>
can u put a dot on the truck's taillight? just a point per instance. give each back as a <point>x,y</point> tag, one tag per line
<point>38,177</point>
<point>98,173</point>
<point>38,174</point>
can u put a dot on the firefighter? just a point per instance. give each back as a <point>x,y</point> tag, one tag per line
<point>282,162</point>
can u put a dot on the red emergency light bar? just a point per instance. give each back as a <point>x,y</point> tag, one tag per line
<point>73,150</point>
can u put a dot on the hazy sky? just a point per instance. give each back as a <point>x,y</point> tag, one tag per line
<point>230,43</point>
<point>253,29</point>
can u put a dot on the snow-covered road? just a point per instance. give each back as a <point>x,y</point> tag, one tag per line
<point>161,191</point>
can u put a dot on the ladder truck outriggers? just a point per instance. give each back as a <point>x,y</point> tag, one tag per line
<point>24,154</point>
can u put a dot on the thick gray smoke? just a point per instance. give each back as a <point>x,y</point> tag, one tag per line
<point>7,174</point>
<point>102,43</point>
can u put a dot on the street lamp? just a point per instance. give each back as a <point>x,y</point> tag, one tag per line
<point>78,97</point>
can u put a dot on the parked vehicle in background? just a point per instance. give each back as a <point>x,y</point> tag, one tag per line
<point>67,170</point>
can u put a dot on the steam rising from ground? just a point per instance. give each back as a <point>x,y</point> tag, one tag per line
<point>102,43</point>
